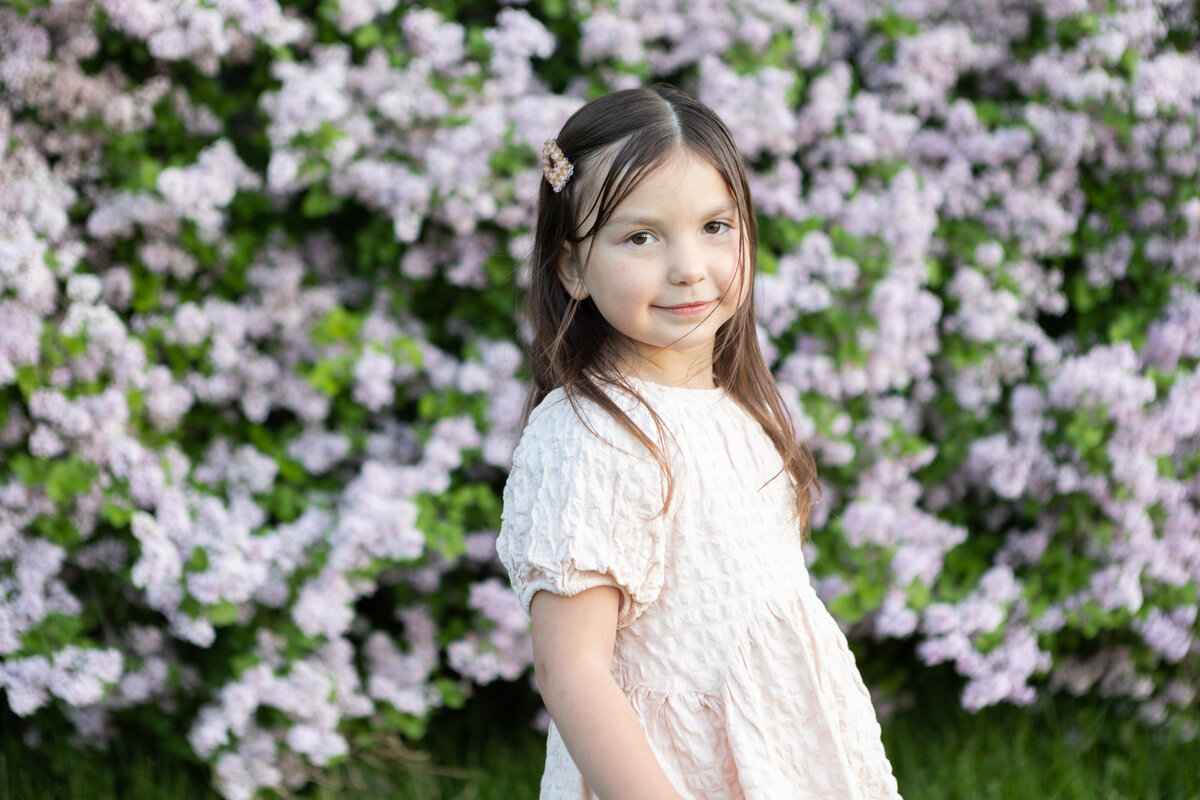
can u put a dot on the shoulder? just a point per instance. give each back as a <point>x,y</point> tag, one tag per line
<point>579,424</point>
<point>576,466</point>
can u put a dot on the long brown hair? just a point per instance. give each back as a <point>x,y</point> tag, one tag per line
<point>613,143</point>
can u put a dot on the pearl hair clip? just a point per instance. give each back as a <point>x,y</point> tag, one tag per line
<point>555,166</point>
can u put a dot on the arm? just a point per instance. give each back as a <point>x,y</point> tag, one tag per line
<point>573,641</point>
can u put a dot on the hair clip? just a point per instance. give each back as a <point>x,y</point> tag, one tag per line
<point>555,166</point>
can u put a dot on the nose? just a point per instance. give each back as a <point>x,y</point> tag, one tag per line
<point>686,266</point>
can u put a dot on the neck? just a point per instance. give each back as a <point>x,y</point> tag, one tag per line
<point>666,368</point>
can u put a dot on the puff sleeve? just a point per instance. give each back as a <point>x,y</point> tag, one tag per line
<point>581,512</point>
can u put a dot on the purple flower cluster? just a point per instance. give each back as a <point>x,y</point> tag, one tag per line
<point>506,650</point>
<point>982,313</point>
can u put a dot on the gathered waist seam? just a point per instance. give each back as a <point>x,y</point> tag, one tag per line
<point>645,688</point>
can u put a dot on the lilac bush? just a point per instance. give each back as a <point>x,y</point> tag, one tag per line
<point>262,377</point>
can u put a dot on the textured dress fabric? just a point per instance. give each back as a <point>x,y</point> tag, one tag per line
<point>740,677</point>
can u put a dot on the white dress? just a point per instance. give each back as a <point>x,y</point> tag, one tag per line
<point>742,680</point>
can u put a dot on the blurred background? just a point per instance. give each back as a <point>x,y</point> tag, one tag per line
<point>261,376</point>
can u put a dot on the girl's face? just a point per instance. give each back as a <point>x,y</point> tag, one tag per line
<point>664,270</point>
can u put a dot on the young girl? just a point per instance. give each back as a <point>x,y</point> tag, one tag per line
<point>654,514</point>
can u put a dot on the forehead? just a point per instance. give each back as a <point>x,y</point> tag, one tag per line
<point>682,182</point>
<point>685,185</point>
<point>665,174</point>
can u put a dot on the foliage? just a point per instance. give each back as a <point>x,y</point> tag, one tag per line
<point>1061,748</point>
<point>260,378</point>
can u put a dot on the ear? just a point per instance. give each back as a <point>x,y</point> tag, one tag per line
<point>569,274</point>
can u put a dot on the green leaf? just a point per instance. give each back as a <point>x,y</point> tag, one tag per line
<point>989,112</point>
<point>27,380</point>
<point>115,515</point>
<point>1121,122</point>
<point>1088,432</point>
<point>553,9</point>
<point>198,562</point>
<point>331,375</point>
<point>32,471</point>
<point>285,503</point>
<point>1130,325</point>
<point>337,326</point>
<point>870,590</point>
<point>1070,30</point>
<point>989,641</point>
<point>70,478</point>
<point>895,26</point>
<point>918,595</point>
<point>191,606</point>
<point>452,695</point>
<point>324,137</point>
<point>406,724</point>
<point>442,525</point>
<point>748,60</point>
<point>1166,468</point>
<point>784,235</point>
<point>243,661</point>
<point>405,350</point>
<point>135,399</point>
<point>1129,63</point>
<point>147,173</point>
<point>147,292</point>
<point>510,160</point>
<point>367,36</point>
<point>846,607</point>
<point>768,263</point>
<point>319,202</point>
<point>478,48</point>
<point>54,632</point>
<point>1081,294</point>
<point>291,471</point>
<point>222,614</point>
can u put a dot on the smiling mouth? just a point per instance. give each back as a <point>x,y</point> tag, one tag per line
<point>689,309</point>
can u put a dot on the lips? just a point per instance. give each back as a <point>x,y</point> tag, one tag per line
<point>689,309</point>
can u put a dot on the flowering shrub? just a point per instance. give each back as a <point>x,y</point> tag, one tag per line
<point>261,375</point>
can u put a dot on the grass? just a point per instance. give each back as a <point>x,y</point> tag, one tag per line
<point>1063,750</point>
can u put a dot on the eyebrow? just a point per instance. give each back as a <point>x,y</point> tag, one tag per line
<point>650,222</point>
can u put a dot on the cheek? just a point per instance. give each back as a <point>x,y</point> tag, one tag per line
<point>631,286</point>
<point>737,277</point>
<point>621,291</point>
<point>740,297</point>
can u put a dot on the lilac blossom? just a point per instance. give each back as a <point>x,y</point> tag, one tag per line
<point>401,678</point>
<point>505,650</point>
<point>1169,634</point>
<point>318,450</point>
<point>433,38</point>
<point>608,35</point>
<point>352,14</point>
<point>930,222</point>
<point>755,107</point>
<point>200,191</point>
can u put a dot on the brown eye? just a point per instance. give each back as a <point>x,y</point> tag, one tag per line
<point>715,227</point>
<point>640,238</point>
